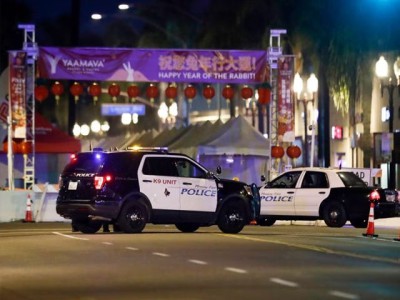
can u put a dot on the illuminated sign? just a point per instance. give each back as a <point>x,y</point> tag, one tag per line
<point>117,109</point>
<point>337,133</point>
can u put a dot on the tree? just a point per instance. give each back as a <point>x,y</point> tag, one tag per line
<point>12,13</point>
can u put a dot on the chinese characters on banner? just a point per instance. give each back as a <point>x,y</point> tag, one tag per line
<point>285,100</point>
<point>17,81</point>
<point>149,65</point>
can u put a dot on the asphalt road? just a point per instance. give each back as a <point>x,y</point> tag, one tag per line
<point>48,261</point>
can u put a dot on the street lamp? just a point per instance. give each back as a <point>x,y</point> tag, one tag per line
<point>167,114</point>
<point>306,96</point>
<point>382,71</point>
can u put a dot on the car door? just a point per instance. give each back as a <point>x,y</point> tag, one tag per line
<point>159,181</point>
<point>198,191</point>
<point>314,188</point>
<point>278,196</point>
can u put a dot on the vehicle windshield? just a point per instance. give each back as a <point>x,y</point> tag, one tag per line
<point>351,180</point>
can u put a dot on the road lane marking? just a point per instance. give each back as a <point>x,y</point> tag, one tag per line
<point>284,282</point>
<point>107,243</point>
<point>236,270</point>
<point>70,236</point>
<point>316,249</point>
<point>132,248</point>
<point>198,262</point>
<point>160,254</point>
<point>343,295</point>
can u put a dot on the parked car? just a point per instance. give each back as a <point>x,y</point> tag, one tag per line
<point>135,187</point>
<point>333,195</point>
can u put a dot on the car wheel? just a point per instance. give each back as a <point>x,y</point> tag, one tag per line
<point>266,221</point>
<point>86,226</point>
<point>232,218</point>
<point>359,223</point>
<point>334,214</point>
<point>187,227</point>
<point>133,217</point>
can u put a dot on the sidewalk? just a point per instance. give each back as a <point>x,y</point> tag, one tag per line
<point>388,223</point>
<point>393,223</point>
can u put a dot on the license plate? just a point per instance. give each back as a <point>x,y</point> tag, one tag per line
<point>72,185</point>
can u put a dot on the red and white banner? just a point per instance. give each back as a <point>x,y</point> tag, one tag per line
<point>17,93</point>
<point>285,100</point>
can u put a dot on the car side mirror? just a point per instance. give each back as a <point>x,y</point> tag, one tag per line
<point>219,170</point>
<point>262,178</point>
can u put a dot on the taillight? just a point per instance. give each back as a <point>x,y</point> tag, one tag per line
<point>99,181</point>
<point>374,196</point>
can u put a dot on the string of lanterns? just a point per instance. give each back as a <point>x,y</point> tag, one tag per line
<point>292,151</point>
<point>19,147</point>
<point>133,91</point>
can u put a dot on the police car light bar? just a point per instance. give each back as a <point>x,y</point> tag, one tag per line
<point>158,149</point>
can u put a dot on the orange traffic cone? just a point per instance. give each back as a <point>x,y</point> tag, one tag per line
<point>28,213</point>
<point>371,226</point>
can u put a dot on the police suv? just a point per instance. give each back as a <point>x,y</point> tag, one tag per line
<point>133,187</point>
<point>333,195</point>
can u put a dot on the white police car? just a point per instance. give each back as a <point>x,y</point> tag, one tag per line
<point>333,195</point>
<point>132,188</point>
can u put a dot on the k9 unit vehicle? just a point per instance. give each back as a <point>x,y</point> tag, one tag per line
<point>333,195</point>
<point>132,188</point>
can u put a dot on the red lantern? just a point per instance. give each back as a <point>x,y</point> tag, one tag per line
<point>76,90</point>
<point>190,93</point>
<point>277,151</point>
<point>264,95</point>
<point>133,92</point>
<point>152,92</point>
<point>293,151</point>
<point>114,90</point>
<point>25,147</point>
<point>15,148</point>
<point>94,91</point>
<point>171,92</point>
<point>247,93</point>
<point>41,93</point>
<point>208,93</point>
<point>227,92</point>
<point>57,89</point>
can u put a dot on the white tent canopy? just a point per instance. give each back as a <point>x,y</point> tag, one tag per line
<point>237,136</point>
<point>240,150</point>
<point>236,146</point>
<point>195,136</point>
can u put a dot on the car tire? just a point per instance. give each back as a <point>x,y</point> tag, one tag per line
<point>359,223</point>
<point>266,221</point>
<point>232,217</point>
<point>133,217</point>
<point>86,226</point>
<point>334,214</point>
<point>187,227</point>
